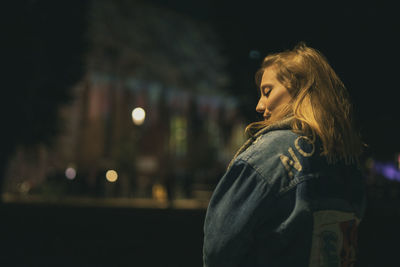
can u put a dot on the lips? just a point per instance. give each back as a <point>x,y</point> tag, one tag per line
<point>267,116</point>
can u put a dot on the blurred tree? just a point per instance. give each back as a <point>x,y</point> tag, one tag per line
<point>149,42</point>
<point>45,43</point>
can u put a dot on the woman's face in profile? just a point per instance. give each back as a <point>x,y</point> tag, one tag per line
<point>273,94</point>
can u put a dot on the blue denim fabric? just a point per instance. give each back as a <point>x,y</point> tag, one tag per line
<point>281,204</point>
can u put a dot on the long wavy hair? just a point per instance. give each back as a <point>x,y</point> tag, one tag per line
<point>320,105</point>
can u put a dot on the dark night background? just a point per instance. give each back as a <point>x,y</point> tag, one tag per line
<point>360,41</point>
<point>45,44</point>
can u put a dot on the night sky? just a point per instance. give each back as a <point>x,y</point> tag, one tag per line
<point>359,40</point>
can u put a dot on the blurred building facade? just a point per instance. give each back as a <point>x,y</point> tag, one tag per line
<point>169,65</point>
<point>145,56</point>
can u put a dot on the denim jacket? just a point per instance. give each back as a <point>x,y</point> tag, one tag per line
<point>281,204</point>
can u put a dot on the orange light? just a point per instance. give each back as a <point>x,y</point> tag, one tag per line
<point>111,176</point>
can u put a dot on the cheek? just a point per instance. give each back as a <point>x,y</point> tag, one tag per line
<point>273,102</point>
<point>277,99</point>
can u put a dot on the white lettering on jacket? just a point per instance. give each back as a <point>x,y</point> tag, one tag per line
<point>293,162</point>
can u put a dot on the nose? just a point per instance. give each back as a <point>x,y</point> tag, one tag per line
<point>260,108</point>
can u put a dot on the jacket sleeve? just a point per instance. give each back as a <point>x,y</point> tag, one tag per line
<point>239,203</point>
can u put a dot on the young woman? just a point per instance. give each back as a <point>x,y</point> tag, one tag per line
<point>293,194</point>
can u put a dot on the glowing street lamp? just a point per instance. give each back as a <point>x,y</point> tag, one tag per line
<point>138,116</point>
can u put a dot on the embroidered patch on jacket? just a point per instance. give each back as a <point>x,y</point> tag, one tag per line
<point>334,239</point>
<point>301,150</point>
<point>289,164</point>
<point>293,162</point>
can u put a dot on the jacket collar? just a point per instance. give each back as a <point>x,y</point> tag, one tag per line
<point>284,124</point>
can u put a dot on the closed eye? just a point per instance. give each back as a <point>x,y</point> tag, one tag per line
<point>267,91</point>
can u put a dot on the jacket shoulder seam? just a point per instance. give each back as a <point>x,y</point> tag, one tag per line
<point>259,174</point>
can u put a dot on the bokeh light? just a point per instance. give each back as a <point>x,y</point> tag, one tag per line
<point>70,173</point>
<point>254,54</point>
<point>159,192</point>
<point>24,187</point>
<point>398,161</point>
<point>388,170</point>
<point>111,176</point>
<point>138,116</point>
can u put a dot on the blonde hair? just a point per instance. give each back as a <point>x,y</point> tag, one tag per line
<point>320,105</point>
